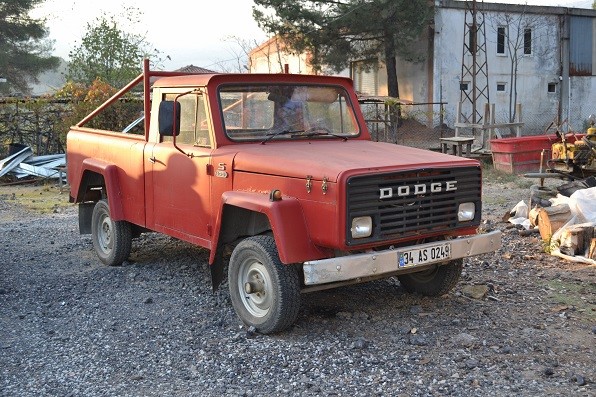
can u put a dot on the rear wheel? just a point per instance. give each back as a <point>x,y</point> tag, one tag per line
<point>265,293</point>
<point>436,281</point>
<point>112,240</point>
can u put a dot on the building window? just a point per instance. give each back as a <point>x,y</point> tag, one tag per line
<point>464,85</point>
<point>501,87</point>
<point>527,41</point>
<point>552,87</point>
<point>501,35</point>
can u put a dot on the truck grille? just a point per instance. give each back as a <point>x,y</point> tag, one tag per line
<point>412,204</point>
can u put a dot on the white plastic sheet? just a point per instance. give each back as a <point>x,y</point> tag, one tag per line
<point>520,215</point>
<point>582,204</point>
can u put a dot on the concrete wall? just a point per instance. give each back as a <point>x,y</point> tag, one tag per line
<point>535,71</point>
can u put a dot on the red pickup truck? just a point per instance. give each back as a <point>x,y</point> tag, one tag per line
<point>279,168</point>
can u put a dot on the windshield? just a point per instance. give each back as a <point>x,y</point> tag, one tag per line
<point>268,112</point>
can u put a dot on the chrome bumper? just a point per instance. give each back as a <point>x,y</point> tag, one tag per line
<point>377,263</point>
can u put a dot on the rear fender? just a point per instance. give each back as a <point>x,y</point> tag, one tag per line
<point>90,169</point>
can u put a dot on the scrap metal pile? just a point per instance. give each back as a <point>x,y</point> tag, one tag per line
<point>24,165</point>
<point>574,155</point>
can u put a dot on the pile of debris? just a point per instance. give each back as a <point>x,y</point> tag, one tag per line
<point>565,217</point>
<point>24,164</point>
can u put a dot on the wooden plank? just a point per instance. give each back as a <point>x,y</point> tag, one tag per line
<point>592,249</point>
<point>488,126</point>
<point>457,139</point>
<point>576,239</point>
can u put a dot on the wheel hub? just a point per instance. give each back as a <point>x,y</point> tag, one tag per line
<point>105,233</point>
<point>254,285</point>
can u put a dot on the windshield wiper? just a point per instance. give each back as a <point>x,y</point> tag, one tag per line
<point>322,131</point>
<point>279,133</point>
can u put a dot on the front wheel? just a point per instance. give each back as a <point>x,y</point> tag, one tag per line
<point>265,293</point>
<point>112,240</point>
<point>436,281</point>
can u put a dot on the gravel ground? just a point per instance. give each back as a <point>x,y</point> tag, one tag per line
<point>70,326</point>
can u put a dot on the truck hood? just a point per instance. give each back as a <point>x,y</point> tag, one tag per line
<point>330,158</point>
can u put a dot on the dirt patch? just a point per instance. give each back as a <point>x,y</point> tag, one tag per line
<point>40,198</point>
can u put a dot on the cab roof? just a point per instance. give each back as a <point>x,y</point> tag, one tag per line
<point>192,80</point>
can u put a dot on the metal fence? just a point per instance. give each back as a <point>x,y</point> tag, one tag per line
<point>548,122</point>
<point>418,125</point>
<point>42,123</point>
<point>36,123</point>
<point>39,123</point>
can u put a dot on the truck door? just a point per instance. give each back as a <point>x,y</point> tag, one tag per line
<point>178,180</point>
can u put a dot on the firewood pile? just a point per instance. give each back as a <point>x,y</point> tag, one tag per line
<point>564,216</point>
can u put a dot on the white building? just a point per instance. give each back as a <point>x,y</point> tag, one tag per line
<point>273,57</point>
<point>555,48</point>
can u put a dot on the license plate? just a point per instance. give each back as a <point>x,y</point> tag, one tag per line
<point>422,256</point>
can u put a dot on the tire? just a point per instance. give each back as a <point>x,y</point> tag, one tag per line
<point>436,281</point>
<point>112,240</point>
<point>265,293</point>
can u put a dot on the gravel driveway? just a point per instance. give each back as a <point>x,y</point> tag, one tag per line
<point>520,323</point>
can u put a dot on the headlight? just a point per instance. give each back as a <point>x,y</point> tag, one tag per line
<point>466,212</point>
<point>361,227</point>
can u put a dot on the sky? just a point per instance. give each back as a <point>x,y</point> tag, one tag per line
<point>196,32</point>
<point>193,32</point>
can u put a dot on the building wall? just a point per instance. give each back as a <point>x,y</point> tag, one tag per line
<point>415,83</point>
<point>535,71</point>
<point>272,56</point>
<point>547,86</point>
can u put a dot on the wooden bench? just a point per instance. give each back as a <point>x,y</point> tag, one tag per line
<point>457,143</point>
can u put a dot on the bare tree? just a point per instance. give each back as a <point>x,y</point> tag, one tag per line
<point>239,59</point>
<point>272,50</point>
<point>516,35</point>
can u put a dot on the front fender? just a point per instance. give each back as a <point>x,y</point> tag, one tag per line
<point>287,224</point>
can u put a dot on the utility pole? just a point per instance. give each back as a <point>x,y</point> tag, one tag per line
<point>474,92</point>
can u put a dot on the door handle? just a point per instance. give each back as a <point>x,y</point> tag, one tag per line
<point>152,160</point>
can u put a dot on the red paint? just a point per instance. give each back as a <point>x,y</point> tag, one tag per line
<point>151,184</point>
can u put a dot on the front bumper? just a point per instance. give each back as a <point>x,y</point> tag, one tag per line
<point>378,263</point>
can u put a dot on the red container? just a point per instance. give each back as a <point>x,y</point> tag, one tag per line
<point>520,155</point>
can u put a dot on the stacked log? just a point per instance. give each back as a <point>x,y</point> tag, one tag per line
<point>551,219</point>
<point>577,239</point>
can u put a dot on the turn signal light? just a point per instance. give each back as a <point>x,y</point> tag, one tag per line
<point>275,195</point>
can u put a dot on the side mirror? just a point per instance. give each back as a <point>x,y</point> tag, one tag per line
<point>169,118</point>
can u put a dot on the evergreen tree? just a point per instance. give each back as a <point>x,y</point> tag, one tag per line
<point>337,32</point>
<point>24,48</point>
